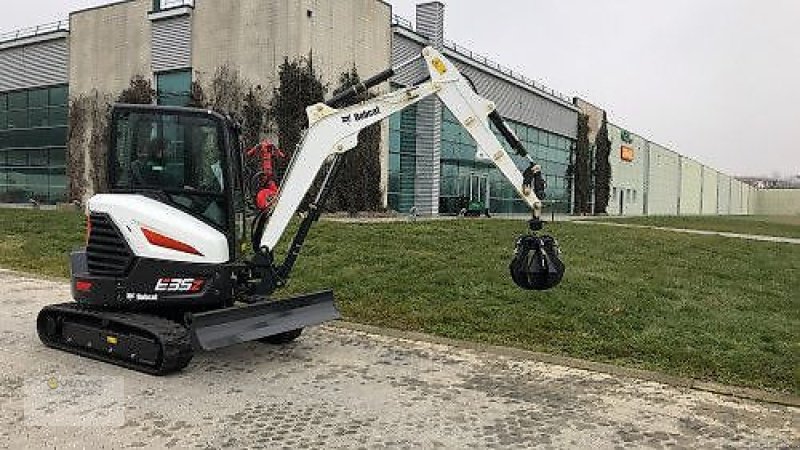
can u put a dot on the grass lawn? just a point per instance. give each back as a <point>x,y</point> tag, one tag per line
<point>785,226</point>
<point>711,308</point>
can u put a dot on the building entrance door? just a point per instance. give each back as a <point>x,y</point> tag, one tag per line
<point>478,194</point>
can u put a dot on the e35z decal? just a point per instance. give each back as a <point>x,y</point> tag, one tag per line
<point>179,285</point>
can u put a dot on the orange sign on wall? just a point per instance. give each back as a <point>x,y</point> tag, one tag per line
<point>626,153</point>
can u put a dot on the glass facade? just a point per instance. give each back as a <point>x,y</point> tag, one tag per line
<point>402,159</point>
<point>174,88</point>
<point>33,137</point>
<point>465,178</point>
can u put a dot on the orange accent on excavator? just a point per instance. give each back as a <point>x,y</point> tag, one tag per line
<point>160,240</point>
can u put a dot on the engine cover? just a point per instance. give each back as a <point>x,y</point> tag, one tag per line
<point>180,236</point>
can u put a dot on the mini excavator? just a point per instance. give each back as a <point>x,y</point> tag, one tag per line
<point>163,275</point>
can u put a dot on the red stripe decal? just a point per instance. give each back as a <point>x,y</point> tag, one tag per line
<point>160,240</point>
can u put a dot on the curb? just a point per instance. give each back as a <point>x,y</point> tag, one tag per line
<point>576,363</point>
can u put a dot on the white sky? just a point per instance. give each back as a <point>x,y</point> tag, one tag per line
<point>716,80</point>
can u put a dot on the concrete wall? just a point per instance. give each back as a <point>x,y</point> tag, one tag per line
<point>709,206</point>
<point>691,187</point>
<point>723,194</point>
<point>736,198</point>
<point>627,178</point>
<point>663,181</point>
<point>108,46</point>
<point>777,202</point>
<point>746,198</point>
<point>256,35</point>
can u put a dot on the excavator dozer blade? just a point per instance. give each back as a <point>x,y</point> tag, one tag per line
<point>230,326</point>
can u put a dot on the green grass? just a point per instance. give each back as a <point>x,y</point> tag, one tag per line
<point>784,226</point>
<point>711,308</point>
<point>40,241</point>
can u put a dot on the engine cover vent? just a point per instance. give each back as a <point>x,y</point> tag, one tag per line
<point>107,253</point>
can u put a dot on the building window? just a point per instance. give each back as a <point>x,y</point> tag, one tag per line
<point>402,159</point>
<point>465,179</point>
<point>33,136</point>
<point>174,88</point>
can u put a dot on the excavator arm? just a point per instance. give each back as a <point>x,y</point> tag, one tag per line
<point>333,131</point>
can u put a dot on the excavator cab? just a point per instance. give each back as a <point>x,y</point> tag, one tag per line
<point>179,156</point>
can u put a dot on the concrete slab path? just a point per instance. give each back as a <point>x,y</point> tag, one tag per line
<point>751,237</point>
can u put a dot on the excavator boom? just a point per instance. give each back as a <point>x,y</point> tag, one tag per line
<point>333,131</point>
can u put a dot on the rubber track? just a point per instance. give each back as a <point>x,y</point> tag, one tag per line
<point>175,339</point>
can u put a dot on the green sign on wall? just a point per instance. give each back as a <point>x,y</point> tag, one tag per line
<point>626,136</point>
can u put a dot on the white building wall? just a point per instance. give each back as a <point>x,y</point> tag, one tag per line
<point>746,198</point>
<point>777,202</point>
<point>709,205</point>
<point>736,198</point>
<point>691,187</point>
<point>627,178</point>
<point>723,194</point>
<point>663,181</point>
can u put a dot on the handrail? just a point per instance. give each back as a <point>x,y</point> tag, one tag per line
<point>477,57</point>
<point>402,21</point>
<point>61,25</point>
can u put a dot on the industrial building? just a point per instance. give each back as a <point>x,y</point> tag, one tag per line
<point>428,160</point>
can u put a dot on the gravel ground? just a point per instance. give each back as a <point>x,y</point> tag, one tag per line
<point>337,388</point>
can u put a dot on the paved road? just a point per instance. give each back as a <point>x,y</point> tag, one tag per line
<point>336,388</point>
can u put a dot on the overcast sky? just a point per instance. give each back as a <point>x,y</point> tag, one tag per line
<point>716,80</point>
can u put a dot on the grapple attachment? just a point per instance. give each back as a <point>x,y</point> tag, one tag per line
<point>537,264</point>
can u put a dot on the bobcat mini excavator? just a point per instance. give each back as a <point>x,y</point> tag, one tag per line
<point>163,273</point>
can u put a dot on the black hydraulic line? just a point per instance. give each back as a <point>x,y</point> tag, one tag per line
<point>509,135</point>
<point>342,97</point>
<point>314,212</point>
